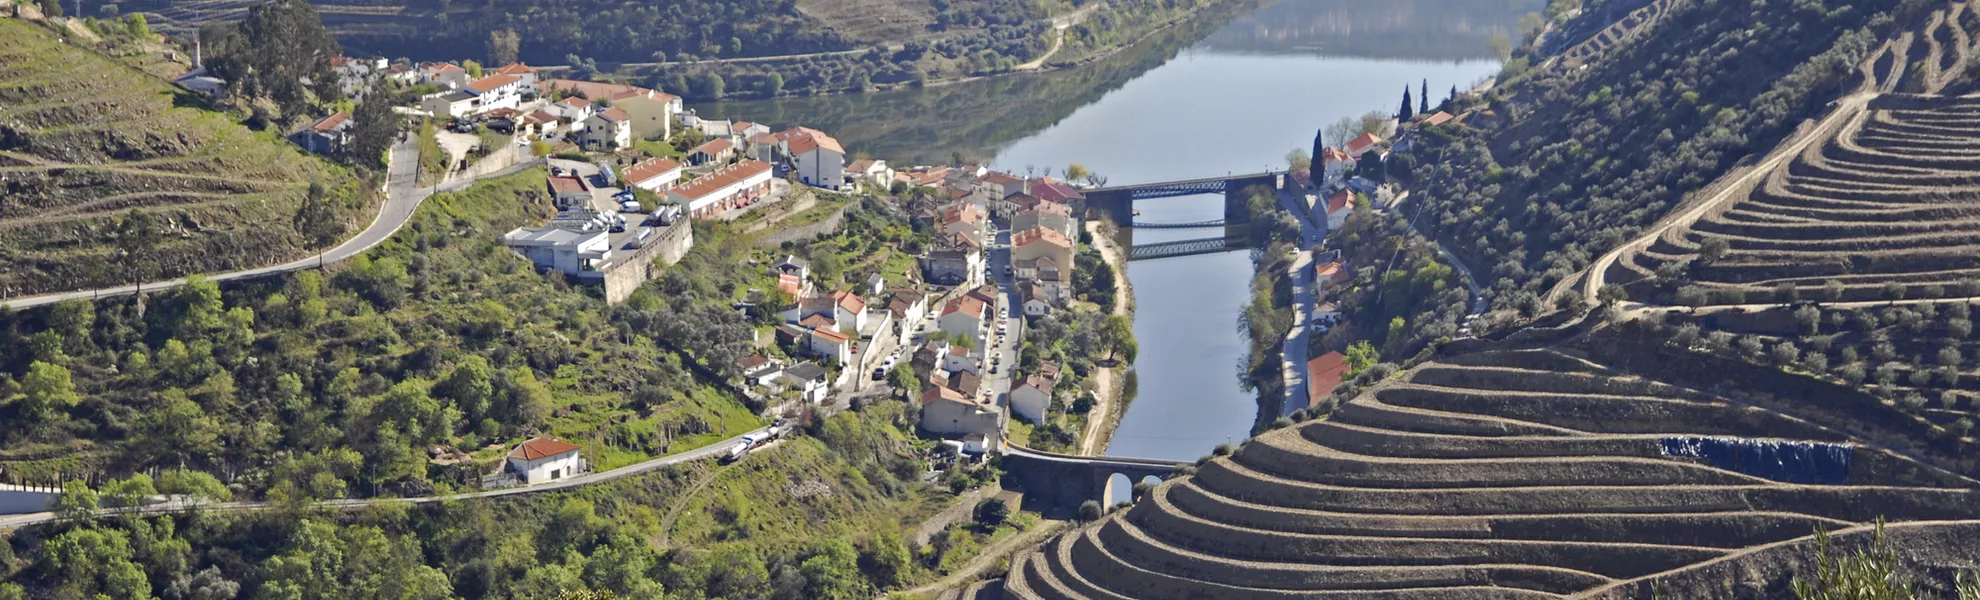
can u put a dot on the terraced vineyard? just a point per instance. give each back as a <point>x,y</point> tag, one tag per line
<point>1879,208</point>
<point>1635,22</point>
<point>84,139</point>
<point>1505,474</point>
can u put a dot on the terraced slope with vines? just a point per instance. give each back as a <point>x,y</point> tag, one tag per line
<point>85,139</point>
<point>1501,474</point>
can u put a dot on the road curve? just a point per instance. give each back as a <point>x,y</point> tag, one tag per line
<point>8,522</point>
<point>1727,190</point>
<point>402,199</point>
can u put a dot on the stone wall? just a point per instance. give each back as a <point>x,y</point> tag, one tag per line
<point>820,229</point>
<point>668,246</point>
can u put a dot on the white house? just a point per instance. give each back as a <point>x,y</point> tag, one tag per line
<point>1037,301</point>
<point>964,316</point>
<point>967,220</point>
<point>544,459</point>
<point>445,75</point>
<point>959,360</point>
<point>723,189</point>
<point>1031,244</point>
<point>871,171</point>
<point>495,91</point>
<point>448,105</point>
<point>520,71</point>
<point>572,252</point>
<point>820,160</point>
<point>1334,165</point>
<point>830,344</point>
<point>947,411</point>
<point>909,307</point>
<point>1031,398</point>
<point>574,109</point>
<point>807,378</point>
<point>609,129</point>
<point>655,175</point>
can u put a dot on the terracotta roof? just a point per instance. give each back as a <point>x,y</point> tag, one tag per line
<point>849,301</point>
<point>650,168</point>
<point>566,185</point>
<point>1331,154</point>
<point>502,113</point>
<point>1049,207</point>
<point>713,147</point>
<point>790,284</point>
<point>1323,374</point>
<point>486,84</point>
<point>721,178</point>
<point>514,69</point>
<point>1037,382</point>
<point>575,102</point>
<point>1437,119</point>
<point>332,122</point>
<point>969,305</point>
<point>859,166</point>
<point>829,335</point>
<point>1000,178</point>
<point>962,212</point>
<point>1339,200</point>
<point>754,361</point>
<point>987,293</point>
<point>444,67</point>
<point>815,137</point>
<point>763,139</point>
<point>1055,191</point>
<point>1040,234</point>
<point>966,382</point>
<point>543,447</point>
<point>938,393</point>
<point>1334,272</point>
<point>614,114</point>
<point>1049,369</point>
<point>594,90</point>
<point>540,117</point>
<point>819,321</point>
<point>1362,144</point>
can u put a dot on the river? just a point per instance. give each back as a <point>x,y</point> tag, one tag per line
<point>1232,92</point>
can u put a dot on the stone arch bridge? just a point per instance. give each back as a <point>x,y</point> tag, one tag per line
<point>1056,484</point>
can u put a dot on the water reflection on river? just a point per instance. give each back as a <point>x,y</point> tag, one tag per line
<point>1190,103</point>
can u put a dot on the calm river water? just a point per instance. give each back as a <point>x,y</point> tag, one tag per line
<point>1231,93</point>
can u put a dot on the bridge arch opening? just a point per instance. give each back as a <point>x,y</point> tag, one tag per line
<point>1120,489</point>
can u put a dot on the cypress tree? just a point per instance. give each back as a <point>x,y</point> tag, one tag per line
<point>1408,108</point>
<point>1318,146</point>
<point>1424,98</point>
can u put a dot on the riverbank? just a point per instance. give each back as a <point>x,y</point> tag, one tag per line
<point>1112,382</point>
<point>852,72</point>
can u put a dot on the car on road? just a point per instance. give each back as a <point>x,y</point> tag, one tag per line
<point>879,374</point>
<point>993,369</point>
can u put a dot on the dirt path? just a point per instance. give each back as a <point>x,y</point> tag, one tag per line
<point>1093,441</point>
<point>989,557</point>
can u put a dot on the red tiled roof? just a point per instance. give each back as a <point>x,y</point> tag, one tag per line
<point>938,393</point>
<point>1437,119</point>
<point>330,123</point>
<point>566,185</point>
<point>721,178</point>
<point>1332,154</point>
<point>1339,200</point>
<point>1055,191</point>
<point>790,136</point>
<point>541,117</point>
<point>790,284</point>
<point>444,67</point>
<point>1362,144</point>
<point>575,102</point>
<point>615,115</point>
<point>1323,374</point>
<point>969,305</point>
<point>650,168</point>
<point>485,84</point>
<point>1000,178</point>
<point>859,166</point>
<point>818,321</point>
<point>1040,234</point>
<point>1333,272</point>
<point>754,360</point>
<point>713,147</point>
<point>829,335</point>
<point>514,69</point>
<point>849,301</point>
<point>543,447</point>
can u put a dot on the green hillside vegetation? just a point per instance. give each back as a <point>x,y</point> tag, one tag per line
<point>816,517</point>
<point>1588,157</point>
<point>327,384</point>
<point>86,142</point>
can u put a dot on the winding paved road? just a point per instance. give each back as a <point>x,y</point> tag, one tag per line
<point>8,522</point>
<point>402,198</point>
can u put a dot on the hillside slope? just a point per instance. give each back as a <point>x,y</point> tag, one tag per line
<point>85,139</point>
<point>1526,473</point>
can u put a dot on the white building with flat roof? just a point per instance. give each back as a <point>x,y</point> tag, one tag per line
<point>572,252</point>
<point>723,189</point>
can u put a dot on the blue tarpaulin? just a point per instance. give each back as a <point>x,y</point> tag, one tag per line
<point>1784,461</point>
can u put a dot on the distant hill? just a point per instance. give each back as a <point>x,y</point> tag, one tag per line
<point>84,139</point>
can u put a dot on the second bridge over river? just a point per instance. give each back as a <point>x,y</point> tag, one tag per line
<point>1116,204</point>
